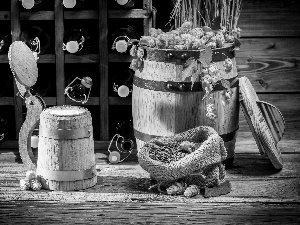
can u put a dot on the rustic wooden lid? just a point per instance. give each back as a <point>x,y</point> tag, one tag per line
<point>265,121</point>
<point>23,64</point>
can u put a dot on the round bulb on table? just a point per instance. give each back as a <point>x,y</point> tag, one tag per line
<point>34,141</point>
<point>72,46</point>
<point>69,3</point>
<point>121,46</point>
<point>28,4</point>
<point>123,91</point>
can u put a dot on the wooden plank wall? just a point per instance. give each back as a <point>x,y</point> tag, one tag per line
<point>16,32</point>
<point>270,54</point>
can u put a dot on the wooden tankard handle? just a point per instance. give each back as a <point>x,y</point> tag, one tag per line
<point>35,105</point>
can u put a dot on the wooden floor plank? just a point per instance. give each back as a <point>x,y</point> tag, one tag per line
<point>253,179</point>
<point>148,213</point>
<point>245,143</point>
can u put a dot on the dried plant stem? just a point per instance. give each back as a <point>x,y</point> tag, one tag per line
<point>205,12</point>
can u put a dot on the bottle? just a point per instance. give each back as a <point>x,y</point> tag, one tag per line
<point>31,4</point>
<point>5,42</point>
<point>79,91</point>
<point>124,38</point>
<point>2,130</point>
<point>36,39</point>
<point>125,129</point>
<point>126,3</point>
<point>76,40</point>
<point>73,4</point>
<point>122,83</point>
<point>91,71</point>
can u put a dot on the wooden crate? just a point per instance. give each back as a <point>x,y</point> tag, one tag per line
<point>100,102</point>
<point>269,56</point>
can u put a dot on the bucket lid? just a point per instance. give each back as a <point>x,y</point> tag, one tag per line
<point>23,64</point>
<point>265,120</point>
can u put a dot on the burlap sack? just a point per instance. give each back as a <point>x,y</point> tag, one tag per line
<point>203,166</point>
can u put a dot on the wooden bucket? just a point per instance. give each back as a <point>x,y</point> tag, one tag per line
<point>66,158</point>
<point>159,110</point>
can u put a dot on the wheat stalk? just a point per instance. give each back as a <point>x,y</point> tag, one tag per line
<point>205,12</point>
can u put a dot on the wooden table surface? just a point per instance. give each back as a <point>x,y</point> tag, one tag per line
<point>260,194</point>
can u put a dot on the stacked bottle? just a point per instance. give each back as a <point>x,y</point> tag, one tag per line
<point>76,40</point>
<point>36,39</point>
<point>122,83</point>
<point>124,38</point>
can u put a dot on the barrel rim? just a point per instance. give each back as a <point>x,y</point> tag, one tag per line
<point>84,112</point>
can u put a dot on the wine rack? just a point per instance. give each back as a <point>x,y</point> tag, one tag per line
<point>58,67</point>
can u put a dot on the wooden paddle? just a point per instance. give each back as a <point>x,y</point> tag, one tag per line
<point>24,68</point>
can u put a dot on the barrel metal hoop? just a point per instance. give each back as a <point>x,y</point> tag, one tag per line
<point>171,86</point>
<point>147,137</point>
<point>65,134</point>
<point>179,57</point>
<point>66,175</point>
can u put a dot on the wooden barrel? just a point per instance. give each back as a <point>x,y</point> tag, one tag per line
<point>66,158</point>
<point>159,110</point>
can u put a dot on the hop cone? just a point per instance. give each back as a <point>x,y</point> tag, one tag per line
<point>176,189</point>
<point>24,184</point>
<point>36,185</point>
<point>30,175</point>
<point>191,191</point>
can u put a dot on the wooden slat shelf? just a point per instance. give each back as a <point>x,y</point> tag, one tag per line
<point>91,101</point>
<point>119,57</point>
<point>120,101</point>
<point>50,101</point>
<point>50,58</point>
<point>40,15</point>
<point>6,101</point>
<point>3,58</point>
<point>79,15</point>
<point>4,15</point>
<point>87,58</point>
<point>133,13</point>
<point>16,32</point>
<point>103,70</point>
<point>69,58</point>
